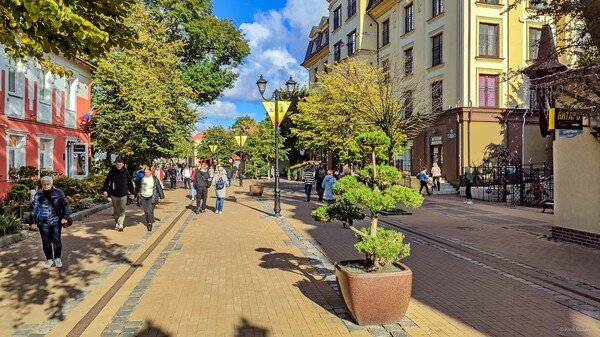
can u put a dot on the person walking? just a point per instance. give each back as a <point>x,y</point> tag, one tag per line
<point>424,179</point>
<point>192,188</point>
<point>221,183</point>
<point>321,174</point>
<point>202,182</point>
<point>187,175</point>
<point>119,186</point>
<point>149,191</point>
<point>172,174</point>
<point>436,173</point>
<point>468,184</point>
<point>327,186</point>
<point>229,174</point>
<point>50,212</point>
<point>309,180</point>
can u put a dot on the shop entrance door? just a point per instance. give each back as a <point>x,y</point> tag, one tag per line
<point>437,155</point>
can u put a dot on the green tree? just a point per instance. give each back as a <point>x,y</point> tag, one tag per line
<point>244,121</point>
<point>355,96</point>
<point>144,112</point>
<point>213,46</point>
<point>71,28</point>
<point>261,144</point>
<point>225,141</point>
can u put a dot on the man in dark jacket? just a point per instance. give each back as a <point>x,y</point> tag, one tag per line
<point>119,185</point>
<point>229,173</point>
<point>202,182</point>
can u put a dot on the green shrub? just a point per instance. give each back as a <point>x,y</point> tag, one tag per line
<point>9,225</point>
<point>100,199</point>
<point>31,184</point>
<point>84,188</point>
<point>388,246</point>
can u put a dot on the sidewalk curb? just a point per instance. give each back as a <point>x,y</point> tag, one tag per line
<point>13,238</point>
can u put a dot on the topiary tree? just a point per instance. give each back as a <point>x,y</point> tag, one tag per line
<point>19,197</point>
<point>372,190</point>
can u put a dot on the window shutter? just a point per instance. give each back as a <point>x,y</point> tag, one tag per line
<point>482,91</point>
<point>492,85</point>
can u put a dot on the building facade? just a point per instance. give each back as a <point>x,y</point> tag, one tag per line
<point>466,51</point>
<point>41,118</point>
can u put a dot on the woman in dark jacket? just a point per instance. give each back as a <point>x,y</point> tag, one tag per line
<point>50,212</point>
<point>149,191</point>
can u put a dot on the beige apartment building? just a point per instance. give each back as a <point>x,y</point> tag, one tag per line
<point>466,51</point>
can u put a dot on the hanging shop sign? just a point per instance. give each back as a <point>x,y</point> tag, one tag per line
<point>563,119</point>
<point>451,134</point>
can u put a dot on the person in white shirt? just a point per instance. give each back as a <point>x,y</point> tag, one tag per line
<point>149,191</point>
<point>436,173</point>
<point>187,174</point>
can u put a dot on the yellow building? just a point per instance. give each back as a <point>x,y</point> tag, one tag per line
<point>465,50</point>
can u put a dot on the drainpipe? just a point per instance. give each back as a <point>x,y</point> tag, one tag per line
<point>523,137</point>
<point>459,142</point>
<point>377,46</point>
<point>469,85</point>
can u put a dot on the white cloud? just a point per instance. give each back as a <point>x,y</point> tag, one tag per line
<point>221,110</point>
<point>278,41</point>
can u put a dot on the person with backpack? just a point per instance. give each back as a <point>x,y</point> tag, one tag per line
<point>202,182</point>
<point>149,191</point>
<point>221,183</point>
<point>424,179</point>
<point>50,212</point>
<point>320,177</point>
<point>119,186</point>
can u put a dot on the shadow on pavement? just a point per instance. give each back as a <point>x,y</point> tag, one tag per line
<point>312,284</point>
<point>27,287</point>
<point>152,331</point>
<point>247,329</point>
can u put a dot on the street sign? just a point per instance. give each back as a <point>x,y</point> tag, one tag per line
<point>436,140</point>
<point>570,133</point>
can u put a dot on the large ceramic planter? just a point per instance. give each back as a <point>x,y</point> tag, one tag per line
<point>375,298</point>
<point>256,190</point>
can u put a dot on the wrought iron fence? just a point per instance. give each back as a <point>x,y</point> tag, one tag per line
<point>528,185</point>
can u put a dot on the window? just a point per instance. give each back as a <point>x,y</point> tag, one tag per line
<point>534,39</point>
<point>351,43</point>
<point>16,151</point>
<point>488,39</point>
<point>537,4</point>
<point>490,1</point>
<point>337,17</point>
<point>12,79</point>
<point>44,85</point>
<point>408,103</point>
<point>337,51</point>
<point>437,97</point>
<point>71,99</point>
<point>385,67</point>
<point>408,61</point>
<point>437,7</point>
<point>46,147</point>
<point>351,8</point>
<point>409,23</point>
<point>436,50</point>
<point>488,91</point>
<point>385,31</point>
<point>316,78</point>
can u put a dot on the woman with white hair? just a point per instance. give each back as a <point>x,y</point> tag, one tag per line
<point>221,183</point>
<point>50,212</point>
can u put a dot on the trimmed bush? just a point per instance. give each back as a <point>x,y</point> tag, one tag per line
<point>9,225</point>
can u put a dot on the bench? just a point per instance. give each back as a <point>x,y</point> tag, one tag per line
<point>547,204</point>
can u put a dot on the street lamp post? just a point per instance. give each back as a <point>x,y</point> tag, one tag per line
<point>241,140</point>
<point>290,86</point>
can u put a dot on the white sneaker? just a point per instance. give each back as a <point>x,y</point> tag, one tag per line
<point>58,263</point>
<point>48,263</point>
<point>469,202</point>
<point>117,227</point>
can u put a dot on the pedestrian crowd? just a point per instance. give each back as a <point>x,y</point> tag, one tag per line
<point>50,211</point>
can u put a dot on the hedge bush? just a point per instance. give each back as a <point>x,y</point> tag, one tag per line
<point>9,225</point>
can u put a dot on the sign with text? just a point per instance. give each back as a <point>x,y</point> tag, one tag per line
<point>570,133</point>
<point>436,140</point>
<point>270,108</point>
<point>563,119</point>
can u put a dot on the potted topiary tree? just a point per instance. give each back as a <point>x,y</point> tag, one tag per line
<point>376,290</point>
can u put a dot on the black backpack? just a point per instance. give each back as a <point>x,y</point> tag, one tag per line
<point>220,184</point>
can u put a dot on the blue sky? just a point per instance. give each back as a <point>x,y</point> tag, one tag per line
<point>277,31</point>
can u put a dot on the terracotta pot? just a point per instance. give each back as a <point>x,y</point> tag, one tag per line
<point>256,190</point>
<point>375,298</point>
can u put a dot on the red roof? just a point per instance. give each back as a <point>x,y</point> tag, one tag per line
<point>199,136</point>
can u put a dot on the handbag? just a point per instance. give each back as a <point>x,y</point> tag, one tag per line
<point>60,214</point>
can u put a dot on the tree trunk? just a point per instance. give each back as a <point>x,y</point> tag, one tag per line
<point>374,219</point>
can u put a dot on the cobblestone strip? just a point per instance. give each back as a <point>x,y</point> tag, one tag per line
<point>325,268</point>
<point>33,329</point>
<point>120,325</point>
<point>563,299</point>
